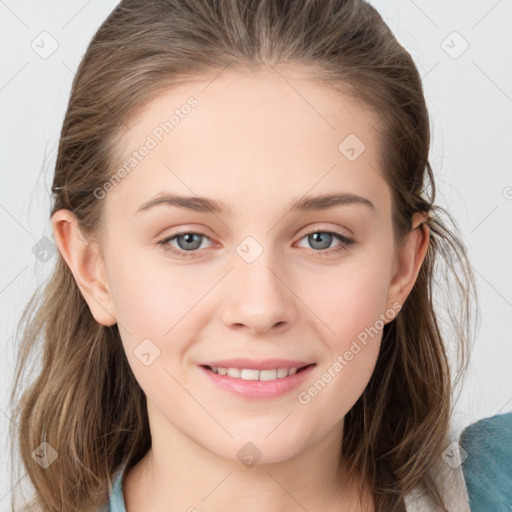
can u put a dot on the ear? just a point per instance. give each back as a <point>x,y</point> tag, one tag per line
<point>85,261</point>
<point>410,257</point>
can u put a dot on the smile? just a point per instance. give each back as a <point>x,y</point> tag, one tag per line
<point>258,384</point>
<point>252,374</point>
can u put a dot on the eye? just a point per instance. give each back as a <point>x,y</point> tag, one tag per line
<point>321,240</point>
<point>187,241</point>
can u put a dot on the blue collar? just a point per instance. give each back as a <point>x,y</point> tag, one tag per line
<point>116,498</point>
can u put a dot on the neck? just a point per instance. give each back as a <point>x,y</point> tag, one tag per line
<point>179,474</point>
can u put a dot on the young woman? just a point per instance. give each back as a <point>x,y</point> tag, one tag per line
<point>242,315</point>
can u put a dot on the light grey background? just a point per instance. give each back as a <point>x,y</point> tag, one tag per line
<point>469,94</point>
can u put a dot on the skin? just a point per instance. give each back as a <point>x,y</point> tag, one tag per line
<point>256,144</point>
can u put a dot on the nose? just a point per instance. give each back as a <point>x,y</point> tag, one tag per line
<point>258,299</point>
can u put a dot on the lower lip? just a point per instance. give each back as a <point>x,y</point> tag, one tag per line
<point>257,388</point>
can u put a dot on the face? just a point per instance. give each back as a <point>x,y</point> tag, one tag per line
<point>259,276</point>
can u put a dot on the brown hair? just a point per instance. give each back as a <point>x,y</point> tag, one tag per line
<point>84,400</point>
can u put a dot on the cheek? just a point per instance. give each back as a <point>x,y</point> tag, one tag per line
<point>150,299</point>
<point>348,301</point>
<point>152,305</point>
<point>352,307</point>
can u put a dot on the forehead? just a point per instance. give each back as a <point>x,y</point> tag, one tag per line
<point>237,135</point>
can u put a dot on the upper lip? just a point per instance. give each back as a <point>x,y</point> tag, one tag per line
<point>253,364</point>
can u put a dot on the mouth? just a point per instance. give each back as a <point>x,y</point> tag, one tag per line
<point>252,374</point>
<point>257,380</point>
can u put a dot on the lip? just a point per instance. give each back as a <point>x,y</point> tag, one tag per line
<point>252,364</point>
<point>255,389</point>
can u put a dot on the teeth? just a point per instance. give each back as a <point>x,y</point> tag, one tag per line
<point>250,374</point>
<point>268,374</point>
<point>282,372</point>
<point>234,372</point>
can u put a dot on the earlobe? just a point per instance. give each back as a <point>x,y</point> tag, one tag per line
<point>86,264</point>
<point>409,260</point>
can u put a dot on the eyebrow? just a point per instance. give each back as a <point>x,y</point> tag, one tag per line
<point>206,205</point>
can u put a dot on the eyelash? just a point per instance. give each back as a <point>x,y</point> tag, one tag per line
<point>168,249</point>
